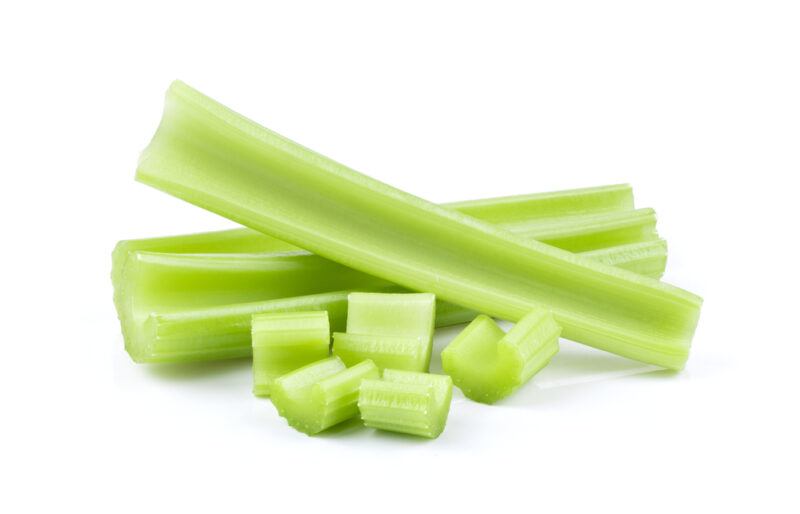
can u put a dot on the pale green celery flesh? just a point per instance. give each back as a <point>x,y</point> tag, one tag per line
<point>406,401</point>
<point>489,365</point>
<point>321,394</point>
<point>285,341</point>
<point>217,159</point>
<point>386,351</point>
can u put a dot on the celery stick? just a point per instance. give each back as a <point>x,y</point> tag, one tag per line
<point>207,328</point>
<point>590,232</point>
<point>488,365</point>
<point>217,159</point>
<point>648,258</point>
<point>386,351</point>
<point>321,394</point>
<point>407,402</point>
<point>285,341</point>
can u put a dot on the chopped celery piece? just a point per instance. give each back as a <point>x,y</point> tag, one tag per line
<point>386,351</point>
<point>406,401</point>
<point>321,394</point>
<point>285,341</point>
<point>410,316</point>
<point>488,364</point>
<point>208,155</point>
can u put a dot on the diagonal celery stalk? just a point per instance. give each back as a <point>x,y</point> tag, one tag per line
<point>211,156</point>
<point>213,323</point>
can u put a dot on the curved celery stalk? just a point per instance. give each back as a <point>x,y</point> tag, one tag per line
<point>406,401</point>
<point>488,364</point>
<point>285,341</point>
<point>386,351</point>
<point>321,394</point>
<point>187,332</point>
<point>217,159</point>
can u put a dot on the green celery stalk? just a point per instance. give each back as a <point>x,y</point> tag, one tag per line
<point>591,231</point>
<point>321,394</point>
<point>386,351</point>
<point>154,284</point>
<point>285,341</point>
<point>210,156</point>
<point>488,364</point>
<point>406,401</point>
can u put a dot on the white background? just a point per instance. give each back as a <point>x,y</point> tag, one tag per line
<point>696,103</point>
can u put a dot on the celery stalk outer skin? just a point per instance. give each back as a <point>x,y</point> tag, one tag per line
<point>208,155</point>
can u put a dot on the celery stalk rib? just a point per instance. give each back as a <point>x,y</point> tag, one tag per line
<point>208,155</point>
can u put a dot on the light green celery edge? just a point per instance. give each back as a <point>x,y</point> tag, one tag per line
<point>149,281</point>
<point>211,156</point>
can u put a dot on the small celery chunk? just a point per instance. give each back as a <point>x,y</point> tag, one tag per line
<point>406,401</point>
<point>321,394</point>
<point>488,365</point>
<point>395,330</point>
<point>397,352</point>
<point>285,341</point>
